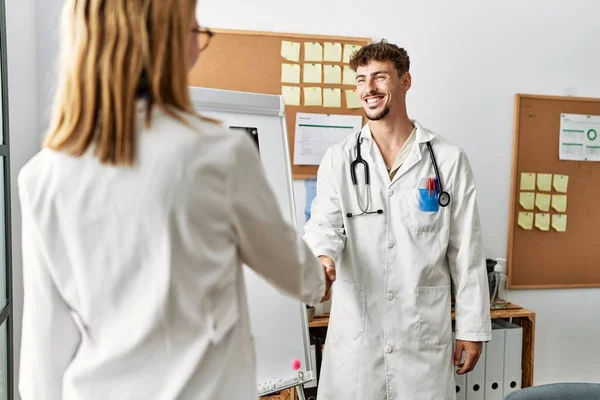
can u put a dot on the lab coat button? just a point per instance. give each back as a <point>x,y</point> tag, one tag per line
<point>388,349</point>
<point>391,193</point>
<point>390,245</point>
<point>390,296</point>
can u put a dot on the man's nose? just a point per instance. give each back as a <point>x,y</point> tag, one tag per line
<point>370,87</point>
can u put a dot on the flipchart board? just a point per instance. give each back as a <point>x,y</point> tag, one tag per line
<point>278,322</point>
<point>258,62</point>
<point>554,228</point>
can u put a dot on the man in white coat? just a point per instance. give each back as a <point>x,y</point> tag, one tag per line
<point>395,241</point>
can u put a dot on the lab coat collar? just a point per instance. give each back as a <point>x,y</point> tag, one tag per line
<point>422,135</point>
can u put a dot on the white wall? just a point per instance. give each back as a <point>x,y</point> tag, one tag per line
<point>22,97</point>
<point>469,58</point>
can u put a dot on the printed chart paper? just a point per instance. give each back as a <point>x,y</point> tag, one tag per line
<point>579,137</point>
<point>315,133</point>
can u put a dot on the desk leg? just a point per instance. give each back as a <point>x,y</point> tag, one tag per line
<point>528,324</point>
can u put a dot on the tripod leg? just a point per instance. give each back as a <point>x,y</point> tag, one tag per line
<point>300,390</point>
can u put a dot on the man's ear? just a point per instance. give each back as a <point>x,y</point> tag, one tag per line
<point>406,81</point>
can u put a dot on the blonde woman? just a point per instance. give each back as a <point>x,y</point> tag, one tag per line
<point>137,217</point>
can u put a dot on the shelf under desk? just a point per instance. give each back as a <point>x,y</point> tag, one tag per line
<point>517,314</point>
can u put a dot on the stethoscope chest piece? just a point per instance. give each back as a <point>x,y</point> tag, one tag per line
<point>444,199</point>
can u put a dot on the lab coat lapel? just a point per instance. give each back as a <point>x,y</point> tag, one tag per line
<point>422,137</point>
<point>377,162</point>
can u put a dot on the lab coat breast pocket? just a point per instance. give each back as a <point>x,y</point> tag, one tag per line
<point>434,313</point>
<point>419,215</point>
<point>349,309</point>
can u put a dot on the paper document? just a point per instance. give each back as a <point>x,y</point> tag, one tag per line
<point>290,73</point>
<point>333,52</point>
<point>542,222</point>
<point>315,133</point>
<point>527,181</point>
<point>544,182</point>
<point>313,51</point>
<point>290,50</point>
<point>559,202</point>
<point>527,200</point>
<point>349,50</point>
<point>312,96</point>
<point>332,97</point>
<point>579,137</point>
<point>526,220</point>
<point>352,99</point>
<point>291,95</point>
<point>542,201</point>
<point>559,222</point>
<point>312,73</point>
<point>349,76</point>
<point>332,74</point>
<point>561,182</point>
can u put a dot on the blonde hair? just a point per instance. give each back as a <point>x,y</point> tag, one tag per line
<point>111,50</point>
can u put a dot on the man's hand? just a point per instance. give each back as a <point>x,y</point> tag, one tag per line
<point>473,350</point>
<point>329,270</point>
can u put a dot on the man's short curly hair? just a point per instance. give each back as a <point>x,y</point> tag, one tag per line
<point>381,51</point>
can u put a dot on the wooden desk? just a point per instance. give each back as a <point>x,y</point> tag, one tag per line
<point>514,313</point>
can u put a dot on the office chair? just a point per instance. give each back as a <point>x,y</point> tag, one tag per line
<point>558,391</point>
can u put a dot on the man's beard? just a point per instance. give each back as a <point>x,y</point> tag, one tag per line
<point>379,115</point>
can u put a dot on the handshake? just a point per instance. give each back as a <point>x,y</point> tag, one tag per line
<point>329,270</point>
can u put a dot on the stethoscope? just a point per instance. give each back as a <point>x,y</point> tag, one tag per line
<point>443,198</point>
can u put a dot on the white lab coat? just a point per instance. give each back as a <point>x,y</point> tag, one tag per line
<point>133,276</point>
<point>390,332</point>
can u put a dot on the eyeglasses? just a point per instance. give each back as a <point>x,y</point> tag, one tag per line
<point>204,36</point>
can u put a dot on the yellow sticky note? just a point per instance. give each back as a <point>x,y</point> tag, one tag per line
<point>544,182</point>
<point>333,52</point>
<point>332,97</point>
<point>559,202</point>
<point>527,181</point>
<point>349,76</point>
<point>542,222</point>
<point>291,95</point>
<point>290,50</point>
<point>561,182</point>
<point>313,51</point>
<point>349,50</point>
<point>527,200</point>
<point>526,220</point>
<point>312,73</point>
<point>332,74</point>
<point>542,201</point>
<point>352,99</point>
<point>290,73</point>
<point>312,96</point>
<point>559,222</point>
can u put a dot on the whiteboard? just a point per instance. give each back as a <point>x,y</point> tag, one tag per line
<point>278,322</point>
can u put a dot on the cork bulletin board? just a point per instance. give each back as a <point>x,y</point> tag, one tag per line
<point>310,71</point>
<point>554,220</point>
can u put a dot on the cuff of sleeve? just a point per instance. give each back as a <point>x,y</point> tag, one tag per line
<point>474,337</point>
<point>314,286</point>
<point>325,252</point>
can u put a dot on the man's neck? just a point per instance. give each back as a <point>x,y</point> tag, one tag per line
<point>390,134</point>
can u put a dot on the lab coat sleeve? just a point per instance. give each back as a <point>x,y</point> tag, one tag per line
<point>324,231</point>
<point>50,337</point>
<point>466,257</point>
<point>267,243</point>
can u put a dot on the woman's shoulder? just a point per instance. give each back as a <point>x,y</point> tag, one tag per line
<point>197,128</point>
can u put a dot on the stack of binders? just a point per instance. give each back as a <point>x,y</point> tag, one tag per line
<point>498,371</point>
